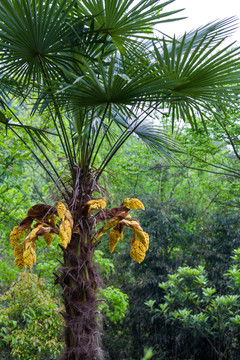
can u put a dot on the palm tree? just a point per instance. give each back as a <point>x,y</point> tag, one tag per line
<point>97,74</point>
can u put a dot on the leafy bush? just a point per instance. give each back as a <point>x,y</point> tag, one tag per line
<point>30,321</point>
<point>192,303</point>
<point>115,305</point>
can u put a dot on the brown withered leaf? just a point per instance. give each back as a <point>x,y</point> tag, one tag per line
<point>119,227</point>
<point>133,239</point>
<point>54,230</point>
<point>43,231</point>
<point>25,223</point>
<point>120,211</point>
<point>39,211</point>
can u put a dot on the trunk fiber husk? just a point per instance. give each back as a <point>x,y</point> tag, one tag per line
<point>79,281</point>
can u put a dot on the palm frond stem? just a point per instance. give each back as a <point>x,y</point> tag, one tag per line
<point>61,122</point>
<point>222,167</point>
<point>72,140</point>
<point>87,158</point>
<point>233,174</point>
<point>98,130</point>
<point>100,144</point>
<point>125,135</point>
<point>57,129</point>
<point>40,162</point>
<point>36,144</point>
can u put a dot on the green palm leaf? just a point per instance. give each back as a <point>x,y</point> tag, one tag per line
<point>46,45</point>
<point>33,37</point>
<point>121,20</point>
<point>215,30</point>
<point>198,75</point>
<point>207,76</point>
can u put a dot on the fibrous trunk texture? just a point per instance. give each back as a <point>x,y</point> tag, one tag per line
<point>79,281</point>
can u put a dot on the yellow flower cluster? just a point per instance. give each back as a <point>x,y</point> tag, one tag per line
<point>137,252</point>
<point>15,236</point>
<point>96,204</point>
<point>140,242</point>
<point>25,251</point>
<point>133,204</point>
<point>143,237</point>
<point>18,251</point>
<point>19,263</point>
<point>25,257</point>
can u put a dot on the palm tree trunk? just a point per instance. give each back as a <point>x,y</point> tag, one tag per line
<point>79,281</point>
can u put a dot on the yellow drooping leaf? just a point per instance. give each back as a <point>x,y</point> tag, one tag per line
<point>33,234</point>
<point>138,251</point>
<point>111,223</point>
<point>96,204</point>
<point>29,257</point>
<point>144,240</point>
<point>61,210</point>
<point>143,237</point>
<point>19,263</point>
<point>65,233</point>
<point>30,244</point>
<point>133,204</point>
<point>15,236</point>
<point>114,237</point>
<point>18,251</point>
<point>48,238</point>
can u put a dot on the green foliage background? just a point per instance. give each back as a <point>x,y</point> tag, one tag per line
<point>192,217</point>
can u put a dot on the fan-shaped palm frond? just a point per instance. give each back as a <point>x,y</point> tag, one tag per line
<point>108,84</point>
<point>199,75</point>
<point>186,76</point>
<point>123,19</point>
<point>216,30</point>
<point>33,36</point>
<point>208,76</point>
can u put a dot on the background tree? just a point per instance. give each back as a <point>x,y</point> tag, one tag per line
<point>194,223</point>
<point>190,302</point>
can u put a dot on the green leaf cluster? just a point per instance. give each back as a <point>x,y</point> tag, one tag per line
<point>193,304</point>
<point>30,321</point>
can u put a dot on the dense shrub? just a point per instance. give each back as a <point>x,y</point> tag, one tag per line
<point>30,321</point>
